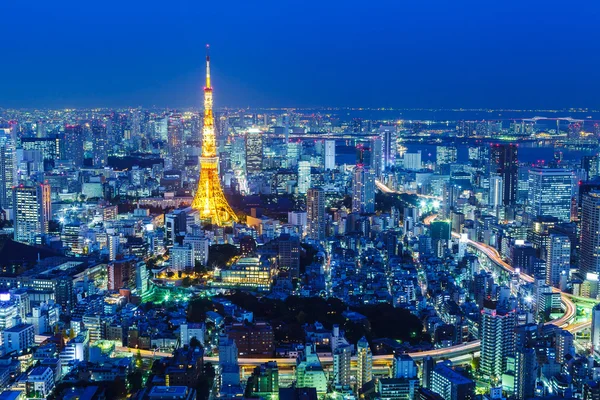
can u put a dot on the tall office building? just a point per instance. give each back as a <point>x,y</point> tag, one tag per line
<point>329,155</point>
<point>74,140</point>
<point>254,151</point>
<point>363,190</point>
<point>315,214</point>
<point>100,143</point>
<point>550,193</point>
<point>303,177</point>
<point>33,211</point>
<point>7,170</point>
<point>558,258</point>
<point>342,357</point>
<point>589,251</point>
<point>388,146</point>
<point>504,161</point>
<point>526,369</point>
<point>495,196</point>
<point>364,363</point>
<point>175,144</point>
<point>496,191</point>
<point>375,144</point>
<point>497,339</point>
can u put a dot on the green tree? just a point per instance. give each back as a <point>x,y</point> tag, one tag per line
<point>139,362</point>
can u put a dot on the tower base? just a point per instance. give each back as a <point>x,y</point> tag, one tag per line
<point>209,199</point>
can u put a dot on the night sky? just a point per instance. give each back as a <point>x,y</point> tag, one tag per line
<point>400,53</point>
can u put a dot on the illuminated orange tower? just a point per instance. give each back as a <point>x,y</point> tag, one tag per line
<point>209,199</point>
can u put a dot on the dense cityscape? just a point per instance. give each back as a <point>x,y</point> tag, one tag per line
<point>295,253</point>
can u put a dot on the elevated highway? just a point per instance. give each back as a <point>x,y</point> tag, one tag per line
<point>458,352</point>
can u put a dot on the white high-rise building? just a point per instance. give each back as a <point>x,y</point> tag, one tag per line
<point>309,371</point>
<point>497,339</point>
<point>182,257</point>
<point>329,155</point>
<point>294,151</point>
<point>388,146</point>
<point>412,161</point>
<point>364,363</point>
<point>113,245</point>
<point>33,211</point>
<point>550,193</point>
<point>303,177</point>
<point>496,191</point>
<point>342,357</point>
<point>200,246</point>
<point>558,258</point>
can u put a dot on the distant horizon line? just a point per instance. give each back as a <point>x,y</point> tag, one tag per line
<point>326,108</point>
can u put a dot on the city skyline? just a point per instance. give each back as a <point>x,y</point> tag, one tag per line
<point>397,55</point>
<point>439,241</point>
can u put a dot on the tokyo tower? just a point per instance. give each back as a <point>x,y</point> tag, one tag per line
<point>209,199</point>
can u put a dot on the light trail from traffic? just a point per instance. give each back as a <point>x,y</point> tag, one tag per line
<point>453,352</point>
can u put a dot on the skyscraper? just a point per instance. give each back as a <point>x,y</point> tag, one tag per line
<point>7,170</point>
<point>589,253</point>
<point>329,155</point>
<point>209,199</point>
<point>558,258</point>
<point>497,339</point>
<point>504,161</point>
<point>303,177</point>
<point>375,144</point>
<point>74,138</point>
<point>33,211</point>
<point>100,143</point>
<point>388,146</point>
<point>550,193</point>
<point>254,151</point>
<point>495,196</point>
<point>363,190</point>
<point>315,213</point>
<point>364,363</point>
<point>176,146</point>
<point>525,373</point>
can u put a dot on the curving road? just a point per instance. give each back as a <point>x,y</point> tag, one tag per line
<point>457,351</point>
<point>494,256</point>
<point>381,186</point>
